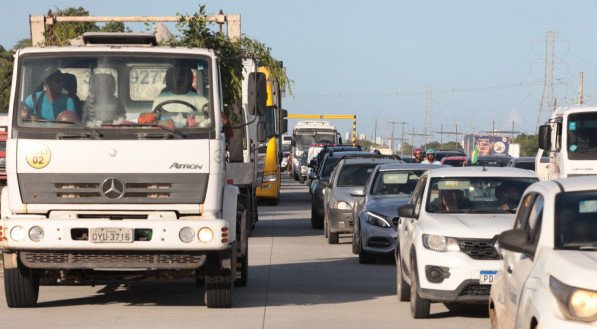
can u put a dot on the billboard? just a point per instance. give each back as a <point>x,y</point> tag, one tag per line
<point>486,144</point>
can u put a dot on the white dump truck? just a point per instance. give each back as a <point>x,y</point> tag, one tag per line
<point>570,140</point>
<point>130,180</point>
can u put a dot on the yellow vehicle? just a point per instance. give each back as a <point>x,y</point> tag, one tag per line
<point>270,154</point>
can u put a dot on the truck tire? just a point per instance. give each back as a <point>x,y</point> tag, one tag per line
<point>21,286</point>
<point>242,269</point>
<point>218,282</point>
<point>316,219</point>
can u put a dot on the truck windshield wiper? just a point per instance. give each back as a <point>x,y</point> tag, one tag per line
<point>77,124</point>
<point>170,130</point>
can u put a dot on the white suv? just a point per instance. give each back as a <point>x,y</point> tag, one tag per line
<point>547,275</point>
<point>448,231</point>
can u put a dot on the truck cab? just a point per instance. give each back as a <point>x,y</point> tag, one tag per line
<point>570,140</point>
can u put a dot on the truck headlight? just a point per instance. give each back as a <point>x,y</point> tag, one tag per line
<point>575,303</point>
<point>205,234</point>
<point>440,243</point>
<point>342,205</point>
<point>270,178</point>
<point>36,233</point>
<point>18,233</point>
<point>376,219</point>
<point>186,234</point>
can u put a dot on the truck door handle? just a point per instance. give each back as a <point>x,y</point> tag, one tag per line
<point>509,269</point>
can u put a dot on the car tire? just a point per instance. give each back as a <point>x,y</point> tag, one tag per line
<point>419,307</point>
<point>355,242</point>
<point>316,219</point>
<point>21,286</point>
<point>365,257</point>
<point>493,317</point>
<point>402,287</point>
<point>333,238</point>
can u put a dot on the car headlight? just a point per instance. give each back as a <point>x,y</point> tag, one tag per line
<point>574,303</point>
<point>342,205</point>
<point>376,219</point>
<point>440,243</point>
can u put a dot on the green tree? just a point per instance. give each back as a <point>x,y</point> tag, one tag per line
<point>528,144</point>
<point>5,78</point>
<point>22,44</point>
<point>61,33</point>
<point>195,32</point>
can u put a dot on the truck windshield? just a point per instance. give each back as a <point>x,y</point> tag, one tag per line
<point>114,91</point>
<point>575,220</point>
<point>306,138</point>
<point>476,194</point>
<point>582,136</point>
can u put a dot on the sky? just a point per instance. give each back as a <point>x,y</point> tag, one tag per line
<point>475,65</point>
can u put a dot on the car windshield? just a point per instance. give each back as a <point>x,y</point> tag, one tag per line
<point>576,220</point>
<point>476,194</point>
<point>395,182</point>
<point>355,174</point>
<point>97,91</point>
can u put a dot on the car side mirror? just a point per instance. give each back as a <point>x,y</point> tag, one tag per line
<point>407,210</point>
<point>516,241</point>
<point>324,183</point>
<point>359,192</point>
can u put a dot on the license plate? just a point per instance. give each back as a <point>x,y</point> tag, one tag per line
<point>111,235</point>
<point>487,277</point>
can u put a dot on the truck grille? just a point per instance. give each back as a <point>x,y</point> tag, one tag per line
<point>481,249</point>
<point>110,259</point>
<point>100,188</point>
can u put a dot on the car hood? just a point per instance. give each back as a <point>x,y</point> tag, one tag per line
<point>386,205</point>
<point>480,226</point>
<point>575,268</point>
<point>343,194</point>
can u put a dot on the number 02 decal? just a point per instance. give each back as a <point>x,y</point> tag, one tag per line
<point>38,156</point>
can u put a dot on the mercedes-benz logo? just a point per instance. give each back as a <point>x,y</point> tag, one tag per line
<point>112,188</point>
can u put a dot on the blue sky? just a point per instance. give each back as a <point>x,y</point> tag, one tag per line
<point>375,59</point>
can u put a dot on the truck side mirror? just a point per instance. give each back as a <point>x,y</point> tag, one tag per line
<point>339,140</point>
<point>257,93</point>
<point>261,132</point>
<point>544,138</point>
<point>283,121</point>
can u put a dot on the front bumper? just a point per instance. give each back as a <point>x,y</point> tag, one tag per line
<point>340,221</point>
<point>378,240</point>
<point>69,234</point>
<point>461,279</point>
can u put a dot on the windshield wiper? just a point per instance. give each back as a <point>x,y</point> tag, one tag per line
<point>170,130</point>
<point>95,132</point>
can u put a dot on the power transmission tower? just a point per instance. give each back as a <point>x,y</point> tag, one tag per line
<point>392,134</point>
<point>548,99</point>
<point>428,114</point>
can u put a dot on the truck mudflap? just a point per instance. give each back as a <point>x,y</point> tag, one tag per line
<point>123,235</point>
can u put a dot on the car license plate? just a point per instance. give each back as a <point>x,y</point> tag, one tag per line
<point>486,277</point>
<point>111,235</point>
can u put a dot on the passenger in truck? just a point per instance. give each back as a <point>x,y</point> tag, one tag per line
<point>47,103</point>
<point>179,90</point>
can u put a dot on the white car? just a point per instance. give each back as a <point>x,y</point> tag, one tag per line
<point>547,278</point>
<point>448,231</point>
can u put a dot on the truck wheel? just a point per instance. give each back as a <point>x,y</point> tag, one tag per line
<point>419,307</point>
<point>316,220</point>
<point>402,288</point>
<point>218,282</point>
<point>21,286</point>
<point>242,270</point>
